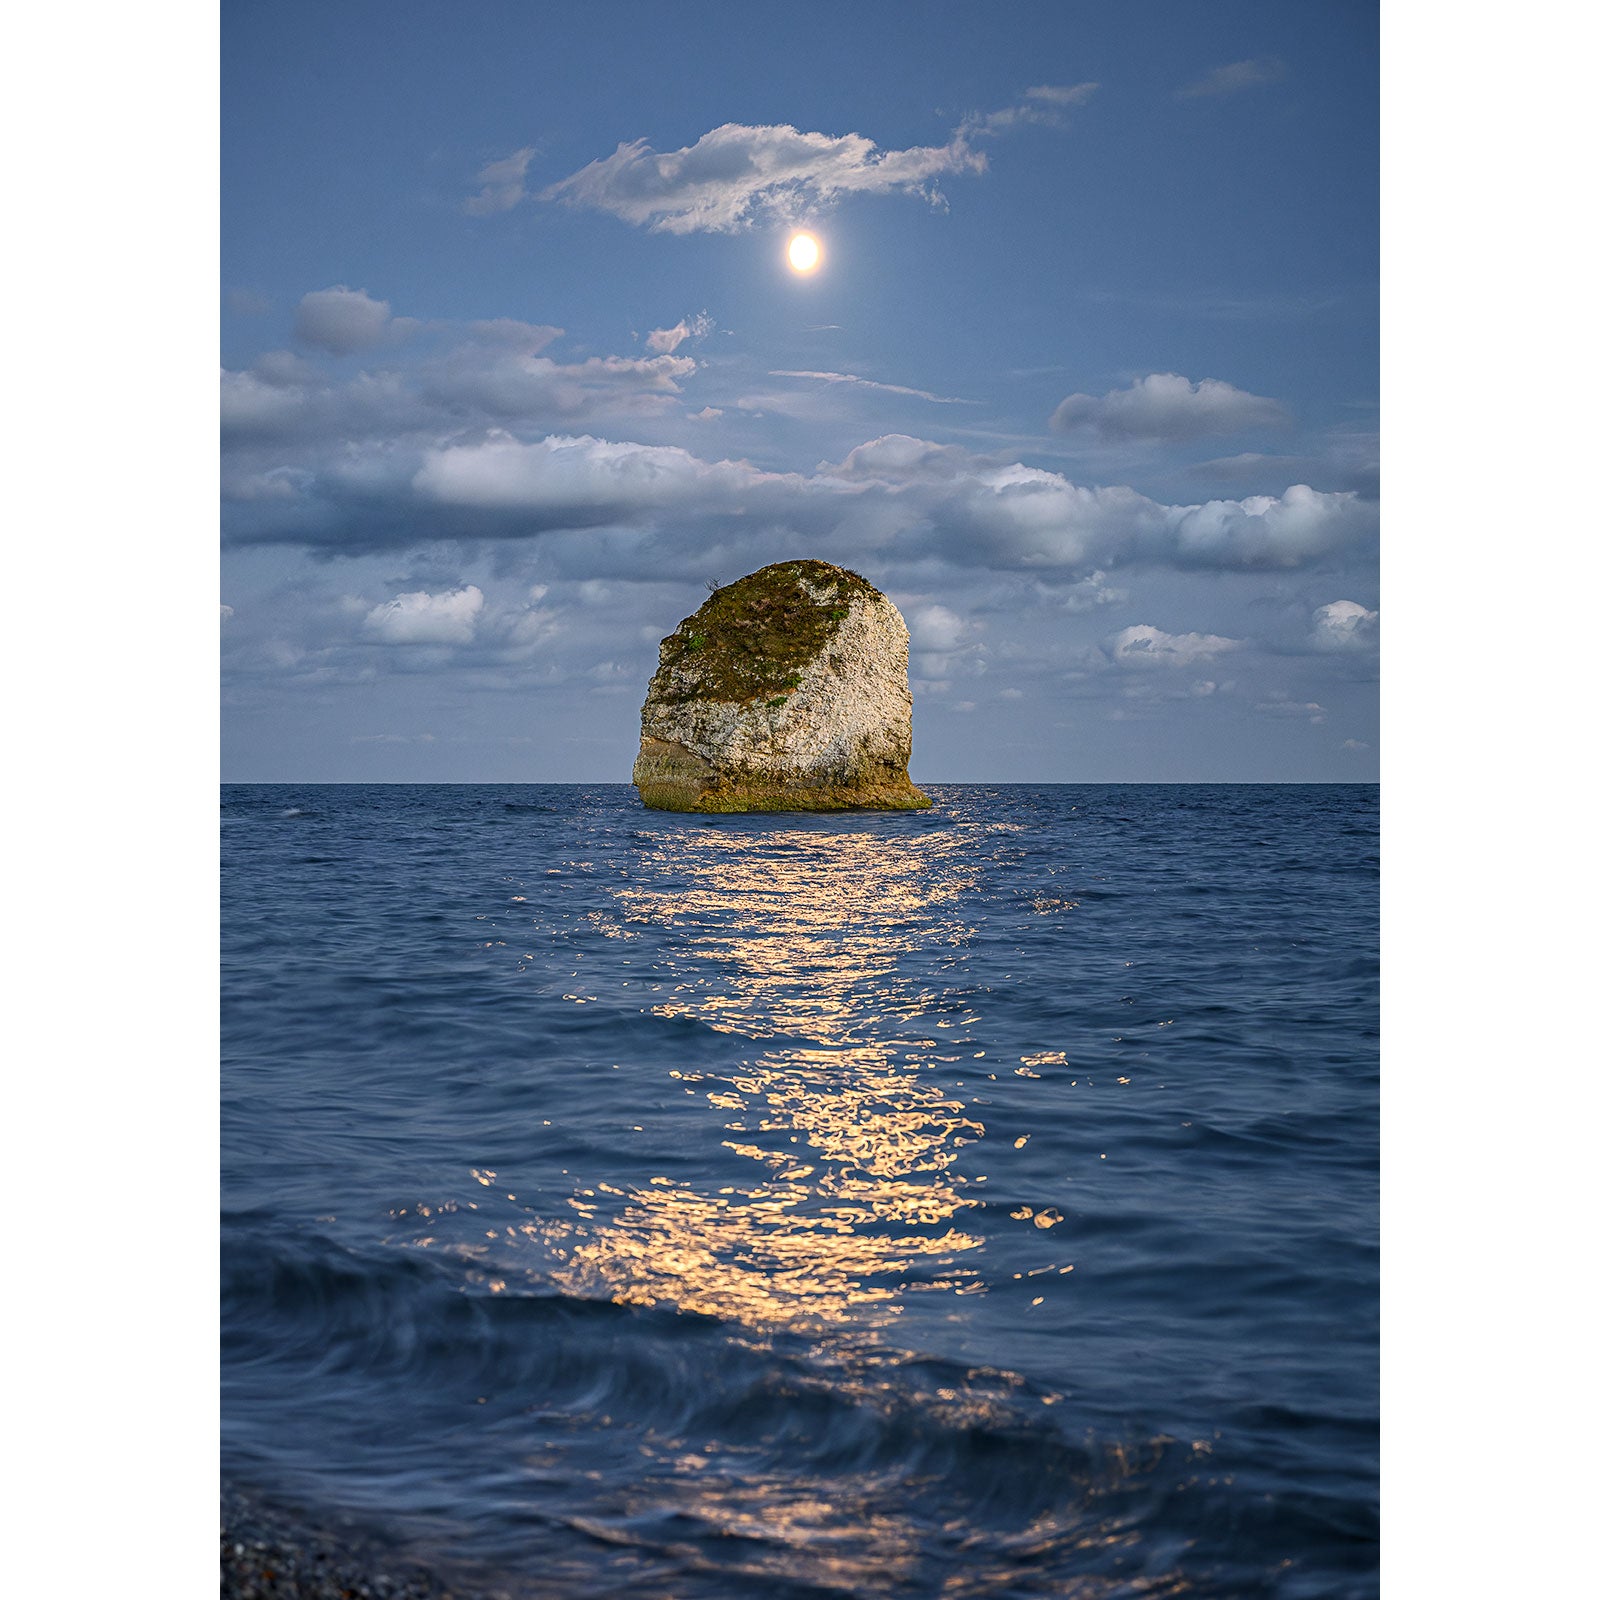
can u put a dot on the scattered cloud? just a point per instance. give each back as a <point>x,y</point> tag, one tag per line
<point>471,437</point>
<point>1143,646</point>
<point>483,375</point>
<point>1235,76</point>
<point>1166,407</point>
<point>503,184</point>
<point>341,320</point>
<point>663,341</point>
<point>475,432</point>
<point>1355,744</point>
<point>738,174</point>
<point>1341,458</point>
<point>1280,705</point>
<point>1089,593</point>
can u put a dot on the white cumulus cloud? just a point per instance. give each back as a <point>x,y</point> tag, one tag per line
<point>1343,625</point>
<point>936,628</point>
<point>1145,646</point>
<point>423,618</point>
<point>578,482</point>
<point>1263,530</point>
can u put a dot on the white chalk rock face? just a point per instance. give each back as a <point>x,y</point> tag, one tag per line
<point>785,691</point>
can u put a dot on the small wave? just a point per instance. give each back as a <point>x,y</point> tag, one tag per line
<point>311,1310</point>
<point>728,1465</point>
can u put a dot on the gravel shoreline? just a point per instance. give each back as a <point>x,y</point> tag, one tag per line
<point>271,1554</point>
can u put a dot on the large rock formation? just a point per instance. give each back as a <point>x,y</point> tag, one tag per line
<point>785,691</point>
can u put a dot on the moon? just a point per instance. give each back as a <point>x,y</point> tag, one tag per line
<point>804,253</point>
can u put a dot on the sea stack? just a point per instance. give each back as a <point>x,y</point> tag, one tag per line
<point>785,691</point>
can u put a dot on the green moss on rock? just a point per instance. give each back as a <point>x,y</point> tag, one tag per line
<point>749,639</point>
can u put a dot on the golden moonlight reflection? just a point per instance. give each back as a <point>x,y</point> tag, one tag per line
<point>852,1199</point>
<point>805,253</point>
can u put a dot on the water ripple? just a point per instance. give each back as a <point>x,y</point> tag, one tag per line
<point>976,1201</point>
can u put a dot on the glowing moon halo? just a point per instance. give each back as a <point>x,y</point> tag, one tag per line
<point>804,253</point>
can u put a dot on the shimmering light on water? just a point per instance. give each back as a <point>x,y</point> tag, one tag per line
<point>801,936</point>
<point>976,1201</point>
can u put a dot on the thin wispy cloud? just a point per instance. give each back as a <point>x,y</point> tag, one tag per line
<point>1058,94</point>
<point>1222,306</point>
<point>870,383</point>
<point>738,174</point>
<point>663,341</point>
<point>504,184</point>
<point>1043,106</point>
<point>1280,705</point>
<point>341,320</point>
<point>1237,75</point>
<point>1163,406</point>
<point>1335,458</point>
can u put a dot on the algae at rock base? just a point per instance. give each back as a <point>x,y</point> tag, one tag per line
<point>785,691</point>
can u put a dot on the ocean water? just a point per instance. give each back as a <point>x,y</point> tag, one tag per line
<point>974,1202</point>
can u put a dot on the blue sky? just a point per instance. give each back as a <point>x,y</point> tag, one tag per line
<point>1087,380</point>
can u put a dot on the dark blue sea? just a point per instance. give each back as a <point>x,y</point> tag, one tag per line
<point>974,1202</point>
